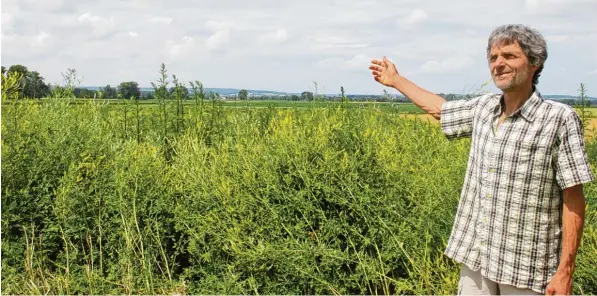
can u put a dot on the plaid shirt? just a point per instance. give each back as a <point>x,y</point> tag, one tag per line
<point>509,219</point>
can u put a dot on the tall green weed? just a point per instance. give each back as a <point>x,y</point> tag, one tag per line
<point>213,200</point>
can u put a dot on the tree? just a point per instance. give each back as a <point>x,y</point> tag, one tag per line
<point>243,94</point>
<point>343,96</point>
<point>109,92</point>
<point>129,90</point>
<point>18,69</point>
<point>31,84</point>
<point>35,87</point>
<point>307,95</point>
<point>84,93</point>
<point>179,90</point>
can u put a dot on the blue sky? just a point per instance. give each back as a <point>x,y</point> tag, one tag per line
<point>286,45</point>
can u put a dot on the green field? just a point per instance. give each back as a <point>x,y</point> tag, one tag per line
<point>403,108</point>
<point>397,107</point>
<point>234,198</point>
<point>591,112</point>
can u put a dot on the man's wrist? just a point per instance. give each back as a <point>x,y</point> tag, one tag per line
<point>396,82</point>
<point>566,269</point>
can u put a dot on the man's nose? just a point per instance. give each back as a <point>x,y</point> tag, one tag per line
<point>499,61</point>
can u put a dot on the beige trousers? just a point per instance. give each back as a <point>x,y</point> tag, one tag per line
<point>473,283</point>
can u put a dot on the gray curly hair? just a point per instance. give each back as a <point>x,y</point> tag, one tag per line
<point>530,40</point>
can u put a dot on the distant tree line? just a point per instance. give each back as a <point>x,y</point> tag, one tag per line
<point>32,85</point>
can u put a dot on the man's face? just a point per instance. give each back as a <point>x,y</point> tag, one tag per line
<point>510,67</point>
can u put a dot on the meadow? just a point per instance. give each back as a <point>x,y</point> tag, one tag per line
<point>397,107</point>
<point>211,197</point>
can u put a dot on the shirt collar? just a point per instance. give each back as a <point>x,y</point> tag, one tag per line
<point>528,110</point>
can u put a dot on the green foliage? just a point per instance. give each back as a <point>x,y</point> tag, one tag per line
<point>31,83</point>
<point>85,93</point>
<point>109,92</point>
<point>129,90</point>
<point>243,95</point>
<point>307,96</point>
<point>10,85</point>
<point>19,69</point>
<point>70,82</point>
<point>240,201</point>
<point>585,114</point>
<point>179,91</point>
<point>206,197</point>
<point>316,96</point>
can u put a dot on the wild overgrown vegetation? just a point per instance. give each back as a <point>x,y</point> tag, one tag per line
<point>202,199</point>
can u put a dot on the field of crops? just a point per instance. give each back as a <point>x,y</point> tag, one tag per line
<point>201,198</point>
<point>398,107</point>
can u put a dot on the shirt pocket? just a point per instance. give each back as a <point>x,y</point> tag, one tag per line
<point>532,163</point>
<point>532,151</point>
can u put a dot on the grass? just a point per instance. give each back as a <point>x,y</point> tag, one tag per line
<point>406,108</point>
<point>264,198</point>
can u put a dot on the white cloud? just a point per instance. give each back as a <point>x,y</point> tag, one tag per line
<point>182,47</point>
<point>447,65</point>
<point>327,41</point>
<point>555,7</point>
<point>417,16</point>
<point>218,40</point>
<point>160,19</point>
<point>99,24</point>
<point>41,37</point>
<point>329,63</point>
<point>532,4</point>
<point>6,19</point>
<point>278,35</point>
<point>557,38</point>
<point>49,5</point>
<point>359,62</point>
<point>301,41</point>
<point>218,25</point>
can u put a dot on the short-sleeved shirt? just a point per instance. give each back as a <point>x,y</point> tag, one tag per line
<point>509,219</point>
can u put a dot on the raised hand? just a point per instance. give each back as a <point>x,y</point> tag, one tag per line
<point>384,72</point>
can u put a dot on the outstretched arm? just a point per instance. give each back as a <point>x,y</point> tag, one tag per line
<point>385,73</point>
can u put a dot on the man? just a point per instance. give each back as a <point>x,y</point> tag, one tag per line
<point>521,213</point>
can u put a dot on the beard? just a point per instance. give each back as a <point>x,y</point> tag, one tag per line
<point>518,78</point>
